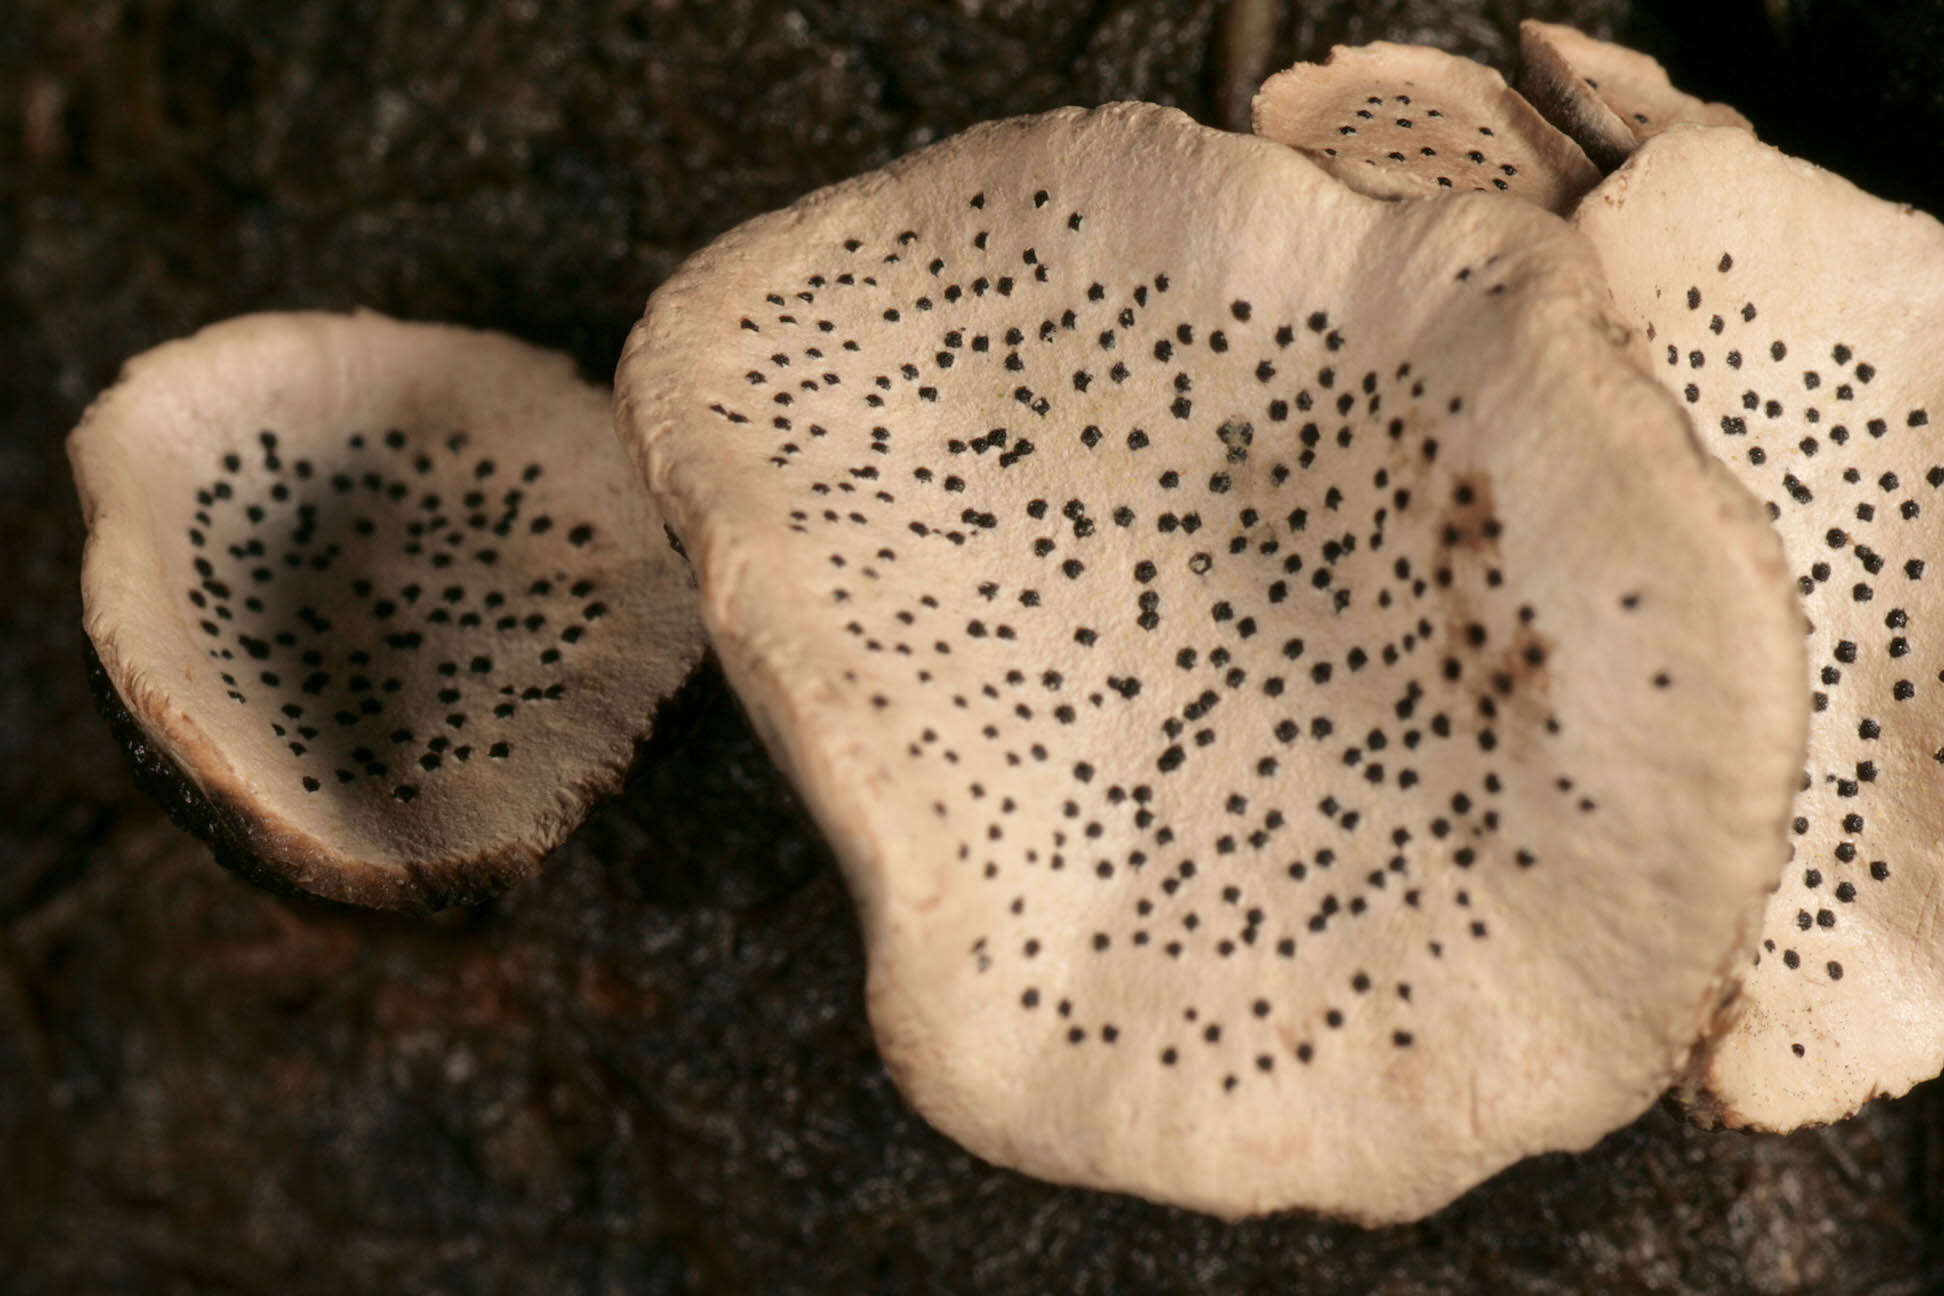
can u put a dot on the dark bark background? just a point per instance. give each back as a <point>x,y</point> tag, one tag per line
<point>649,1069</point>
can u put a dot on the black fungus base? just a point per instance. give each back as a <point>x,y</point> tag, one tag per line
<point>648,1070</point>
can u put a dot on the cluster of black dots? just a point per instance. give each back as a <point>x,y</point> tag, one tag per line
<point>389,606</point>
<point>1848,474</point>
<point>1396,133</point>
<point>1317,609</point>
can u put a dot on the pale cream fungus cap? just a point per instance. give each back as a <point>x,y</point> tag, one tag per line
<point>1798,319</point>
<point>1407,121</point>
<point>1304,723</point>
<point>1609,98</point>
<point>379,602</point>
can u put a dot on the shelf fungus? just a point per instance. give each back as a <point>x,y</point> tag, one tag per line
<point>1408,121</point>
<point>1608,98</point>
<point>1798,320</point>
<point>378,605</point>
<point>1304,723</point>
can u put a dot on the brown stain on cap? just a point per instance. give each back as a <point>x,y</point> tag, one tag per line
<point>1469,530</point>
<point>1470,524</point>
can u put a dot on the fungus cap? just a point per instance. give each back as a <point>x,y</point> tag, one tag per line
<point>1409,121</point>
<point>1607,97</point>
<point>384,598</point>
<point>1798,317</point>
<point>1262,655</point>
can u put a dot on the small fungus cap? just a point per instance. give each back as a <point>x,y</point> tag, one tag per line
<point>1409,121</point>
<point>1798,318</point>
<point>1302,721</point>
<point>383,598</point>
<point>1607,97</point>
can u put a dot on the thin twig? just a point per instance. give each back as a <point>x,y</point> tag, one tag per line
<point>1244,41</point>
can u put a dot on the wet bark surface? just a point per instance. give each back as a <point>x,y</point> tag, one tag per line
<point>649,1069</point>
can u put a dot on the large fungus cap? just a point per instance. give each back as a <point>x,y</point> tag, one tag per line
<point>1408,121</point>
<point>1303,722</point>
<point>383,598</point>
<point>1799,318</point>
<point>1607,97</point>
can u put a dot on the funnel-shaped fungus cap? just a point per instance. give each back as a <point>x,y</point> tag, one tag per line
<point>1408,121</point>
<point>1302,721</point>
<point>383,598</point>
<point>1799,318</point>
<point>1607,97</point>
